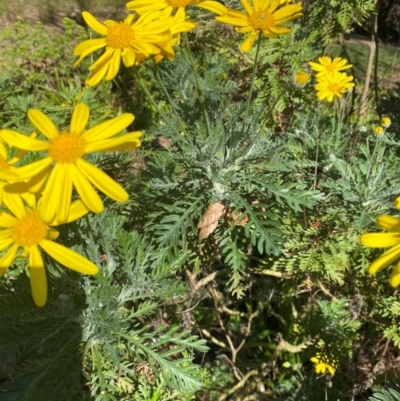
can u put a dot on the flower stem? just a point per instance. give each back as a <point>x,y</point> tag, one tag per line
<point>167,95</point>
<point>151,99</point>
<point>189,57</point>
<point>253,74</point>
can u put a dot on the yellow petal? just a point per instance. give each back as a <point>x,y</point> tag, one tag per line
<point>22,142</point>
<point>385,260</point>
<point>65,193</point>
<point>389,223</point>
<point>247,6</point>
<point>36,183</point>
<point>128,57</point>
<point>69,258</point>
<point>76,211</point>
<point>7,259</point>
<point>6,220</point>
<point>6,242</point>
<point>123,142</point>
<point>213,6</point>
<point>380,240</point>
<point>248,43</point>
<point>42,123</point>
<point>35,168</point>
<point>87,47</point>
<point>80,117</point>
<point>85,190</point>
<point>331,370</point>
<point>98,74</point>
<point>102,181</point>
<point>103,60</point>
<point>52,234</point>
<point>113,67</point>
<point>396,202</point>
<point>94,24</point>
<point>2,271</point>
<point>51,194</point>
<point>38,284</point>
<point>108,128</point>
<point>14,205</point>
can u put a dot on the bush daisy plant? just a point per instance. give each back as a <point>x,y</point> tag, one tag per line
<point>190,175</point>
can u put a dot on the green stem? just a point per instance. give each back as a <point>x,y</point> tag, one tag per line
<point>154,103</point>
<point>376,147</point>
<point>253,74</point>
<point>190,59</point>
<point>170,101</point>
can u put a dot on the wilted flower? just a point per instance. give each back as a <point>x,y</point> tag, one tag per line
<point>385,122</point>
<point>300,79</point>
<point>379,131</point>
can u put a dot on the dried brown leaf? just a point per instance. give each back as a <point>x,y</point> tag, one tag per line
<point>209,221</point>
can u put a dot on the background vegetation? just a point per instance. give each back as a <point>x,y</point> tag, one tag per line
<point>233,312</point>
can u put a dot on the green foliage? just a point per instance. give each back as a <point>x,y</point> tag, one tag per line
<point>279,275</point>
<point>387,394</point>
<point>337,17</point>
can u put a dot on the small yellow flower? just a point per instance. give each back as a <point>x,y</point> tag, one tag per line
<point>24,228</point>
<point>64,163</point>
<point>385,122</point>
<point>324,363</point>
<point>334,84</point>
<point>265,16</point>
<point>379,131</point>
<point>384,240</point>
<point>300,79</point>
<point>122,40</point>
<point>328,66</point>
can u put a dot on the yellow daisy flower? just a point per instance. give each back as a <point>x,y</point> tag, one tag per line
<point>383,240</point>
<point>323,364</point>
<point>64,163</point>
<point>385,122</point>
<point>379,131</point>
<point>145,6</point>
<point>122,40</point>
<point>334,84</point>
<point>25,228</point>
<point>327,66</point>
<point>300,79</point>
<point>265,16</point>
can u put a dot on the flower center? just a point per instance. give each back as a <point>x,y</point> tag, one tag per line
<point>29,230</point>
<point>334,87</point>
<point>3,164</point>
<point>66,148</point>
<point>120,36</point>
<point>179,3</point>
<point>262,19</point>
<point>330,68</point>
